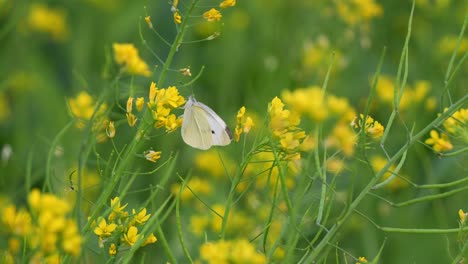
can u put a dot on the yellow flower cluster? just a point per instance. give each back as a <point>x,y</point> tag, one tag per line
<point>244,124</point>
<point>120,230</point>
<point>313,104</point>
<point>195,185</point>
<point>215,15</point>
<point>455,125</point>
<point>439,143</point>
<point>283,124</point>
<point>161,102</point>
<point>47,20</point>
<point>372,128</point>
<point>411,96</point>
<point>46,229</point>
<point>358,11</point>
<point>127,56</point>
<point>448,44</point>
<point>82,107</point>
<point>377,163</point>
<point>235,252</point>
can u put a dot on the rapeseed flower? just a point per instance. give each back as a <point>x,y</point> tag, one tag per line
<point>48,20</point>
<point>212,15</point>
<point>126,55</point>
<point>439,143</point>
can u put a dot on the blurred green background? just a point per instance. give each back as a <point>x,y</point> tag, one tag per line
<point>264,48</point>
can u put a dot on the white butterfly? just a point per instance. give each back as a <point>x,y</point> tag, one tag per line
<point>202,127</point>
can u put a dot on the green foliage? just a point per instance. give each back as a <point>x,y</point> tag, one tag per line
<point>351,147</point>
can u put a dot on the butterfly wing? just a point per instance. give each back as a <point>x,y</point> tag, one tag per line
<point>202,127</point>
<point>220,132</point>
<point>196,130</point>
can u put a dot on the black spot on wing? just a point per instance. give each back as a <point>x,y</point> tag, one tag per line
<point>212,132</point>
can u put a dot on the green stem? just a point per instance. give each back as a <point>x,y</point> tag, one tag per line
<point>318,250</point>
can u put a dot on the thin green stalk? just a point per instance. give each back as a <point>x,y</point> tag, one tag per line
<point>175,45</point>
<point>319,249</point>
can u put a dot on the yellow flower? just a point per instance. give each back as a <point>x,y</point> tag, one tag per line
<point>244,124</point>
<point>141,217</point>
<point>462,216</point>
<point>210,163</point>
<point>110,130</point>
<point>377,163</point>
<point>152,155</point>
<point>195,185</point>
<point>439,144</point>
<point>212,15</point>
<point>51,21</point>
<point>308,101</point>
<point>153,91</point>
<point>127,56</point>
<point>199,224</point>
<point>72,239</point>
<point>131,119</point>
<point>227,3</point>
<point>82,106</point>
<point>361,260</point>
<point>129,104</point>
<point>132,236</point>
<point>103,229</point>
<point>456,123</point>
<point>358,11</point>
<point>177,18</point>
<point>237,252</point>
<point>112,249</point>
<point>139,103</point>
<point>148,21</point>
<point>342,138</point>
<point>117,209</point>
<point>150,240</point>
<point>372,128</point>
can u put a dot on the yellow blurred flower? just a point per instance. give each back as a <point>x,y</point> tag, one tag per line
<point>82,107</point>
<point>244,124</point>
<point>235,252</point>
<point>213,164</point>
<point>308,101</point>
<point>227,3</point>
<point>361,260</point>
<point>448,44</point>
<point>358,11</point>
<point>377,163</point>
<point>439,143</point>
<point>48,20</point>
<point>177,18</point>
<point>112,249</point>
<point>456,123</point>
<point>196,185</point>
<point>342,138</point>
<point>126,55</point>
<point>212,15</point>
